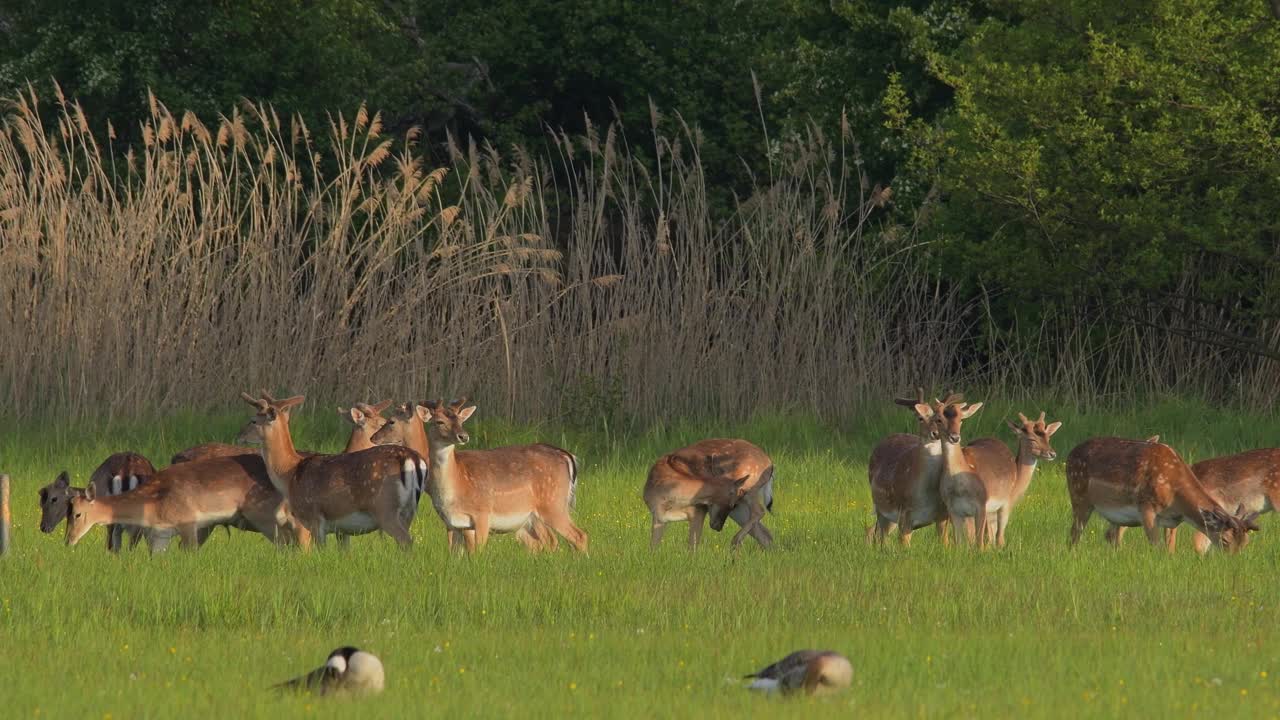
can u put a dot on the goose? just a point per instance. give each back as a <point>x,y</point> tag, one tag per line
<point>815,672</point>
<point>347,669</point>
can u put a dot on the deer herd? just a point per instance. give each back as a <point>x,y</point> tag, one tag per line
<point>930,477</point>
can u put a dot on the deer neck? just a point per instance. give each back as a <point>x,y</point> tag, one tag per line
<point>123,509</point>
<point>953,460</point>
<point>931,461</point>
<point>1026,468</point>
<point>444,469</point>
<point>281,459</point>
<point>1191,499</point>
<point>415,438</point>
<point>358,441</point>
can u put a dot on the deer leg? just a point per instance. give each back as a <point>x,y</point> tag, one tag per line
<point>696,515</point>
<point>1171,538</point>
<point>880,530</point>
<point>757,514</point>
<point>762,535</point>
<point>344,540</point>
<point>1080,517</point>
<point>906,526</point>
<point>1115,534</point>
<point>560,521</point>
<point>136,534</point>
<point>943,528</point>
<point>114,535</point>
<point>1202,542</point>
<point>1002,522</point>
<point>481,525</point>
<point>655,533</point>
<point>1149,525</point>
<point>190,535</point>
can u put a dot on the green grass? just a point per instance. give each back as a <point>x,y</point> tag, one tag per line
<point>1033,629</point>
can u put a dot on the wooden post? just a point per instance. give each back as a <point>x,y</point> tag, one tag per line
<point>5,518</point>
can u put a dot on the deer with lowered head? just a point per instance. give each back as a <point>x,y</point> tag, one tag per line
<point>187,500</point>
<point>352,493</point>
<point>904,473</point>
<point>1140,482</point>
<point>721,477</point>
<point>118,474</point>
<point>502,490</point>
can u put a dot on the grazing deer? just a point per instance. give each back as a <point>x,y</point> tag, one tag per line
<point>186,499</point>
<point>407,426</point>
<point>352,493</point>
<point>1249,480</point>
<point>726,478</point>
<point>506,489</point>
<point>1131,483</point>
<point>904,472</point>
<point>118,474</point>
<point>1004,489</point>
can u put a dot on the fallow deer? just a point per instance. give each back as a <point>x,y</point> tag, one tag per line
<point>506,489</point>
<point>352,493</point>
<point>1131,483</point>
<point>118,474</point>
<point>968,471</point>
<point>1005,490</point>
<point>186,499</point>
<point>904,472</point>
<point>720,477</point>
<point>366,420</point>
<point>1250,481</point>
<point>407,426</point>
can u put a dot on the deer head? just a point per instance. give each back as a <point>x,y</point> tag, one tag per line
<point>55,502</point>
<point>444,421</point>
<point>951,412</point>
<point>271,418</point>
<point>1036,435</point>
<point>1230,532</point>
<point>926,426</point>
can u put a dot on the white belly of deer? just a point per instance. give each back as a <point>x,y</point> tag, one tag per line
<point>1128,516</point>
<point>205,519</point>
<point>509,522</point>
<point>357,523</point>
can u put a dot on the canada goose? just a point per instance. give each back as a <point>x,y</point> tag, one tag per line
<point>815,672</point>
<point>348,669</point>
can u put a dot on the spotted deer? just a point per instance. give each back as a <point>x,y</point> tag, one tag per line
<point>207,451</point>
<point>1135,482</point>
<point>118,474</point>
<point>407,426</point>
<point>352,493</point>
<point>502,490</point>
<point>720,477</point>
<point>1250,481</point>
<point>186,500</point>
<point>904,472</point>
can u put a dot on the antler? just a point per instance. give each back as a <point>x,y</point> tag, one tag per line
<point>1041,420</point>
<point>456,405</point>
<point>908,402</point>
<point>1023,418</point>
<point>952,398</point>
<point>257,403</point>
<point>267,396</point>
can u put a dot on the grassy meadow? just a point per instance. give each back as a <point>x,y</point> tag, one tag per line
<point>1032,630</point>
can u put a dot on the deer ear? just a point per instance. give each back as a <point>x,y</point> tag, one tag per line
<point>1250,522</point>
<point>357,416</point>
<point>923,410</point>
<point>381,407</point>
<point>969,410</point>
<point>63,480</point>
<point>1016,428</point>
<point>423,412</point>
<point>90,492</point>
<point>1052,428</point>
<point>465,413</point>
